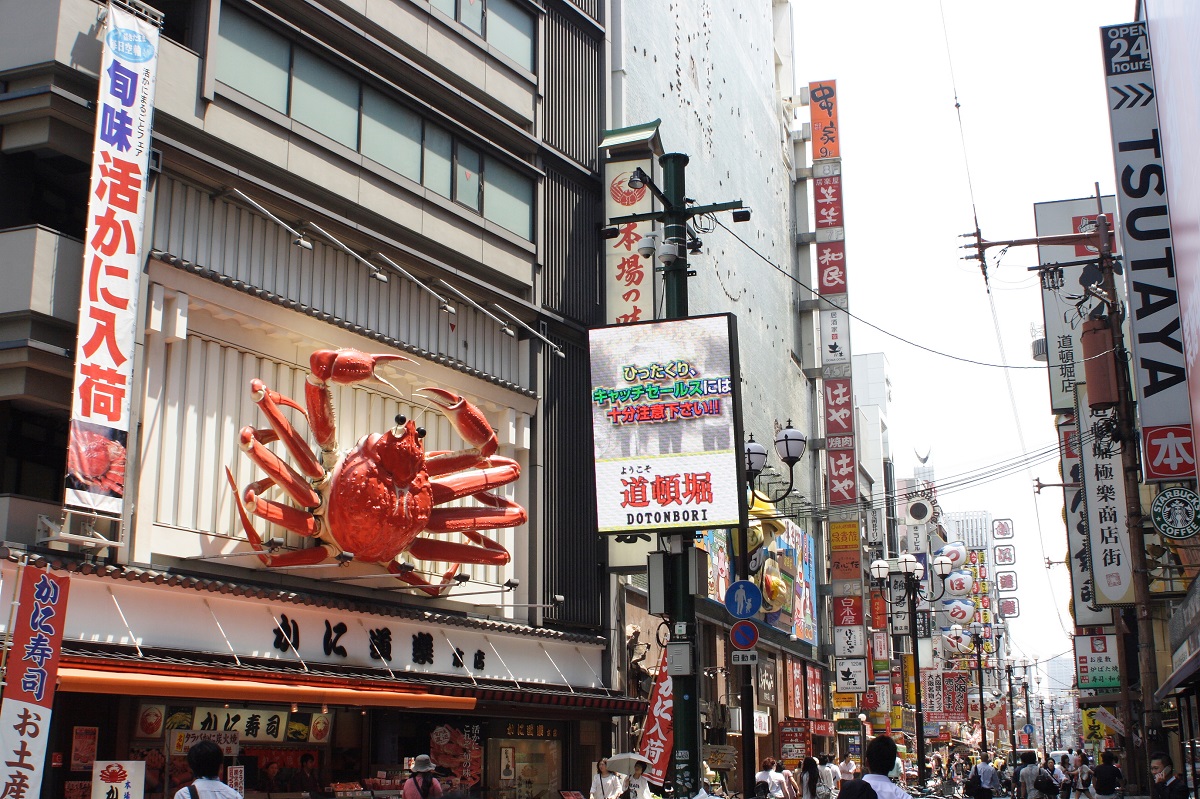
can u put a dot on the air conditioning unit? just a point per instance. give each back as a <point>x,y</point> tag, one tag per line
<point>919,511</point>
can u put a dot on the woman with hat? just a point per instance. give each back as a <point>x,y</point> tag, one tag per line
<point>422,784</point>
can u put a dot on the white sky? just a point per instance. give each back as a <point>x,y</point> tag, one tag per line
<point>1030,82</point>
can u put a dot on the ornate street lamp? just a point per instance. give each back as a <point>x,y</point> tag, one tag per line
<point>790,445</point>
<point>912,570</point>
<point>975,631</point>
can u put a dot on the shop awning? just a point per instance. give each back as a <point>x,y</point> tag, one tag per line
<point>104,681</point>
<point>1181,676</point>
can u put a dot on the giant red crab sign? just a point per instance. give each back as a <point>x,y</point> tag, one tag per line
<point>373,502</point>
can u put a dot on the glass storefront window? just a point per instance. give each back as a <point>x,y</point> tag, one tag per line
<point>523,768</point>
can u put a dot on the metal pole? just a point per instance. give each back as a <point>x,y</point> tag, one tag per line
<point>688,741</point>
<point>1147,668</point>
<point>1042,702</point>
<point>982,710</point>
<point>747,693</point>
<point>1012,715</point>
<point>911,586</point>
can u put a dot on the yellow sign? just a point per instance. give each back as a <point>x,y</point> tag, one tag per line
<point>1093,728</point>
<point>844,701</point>
<point>843,535</point>
<point>910,682</point>
<point>897,717</point>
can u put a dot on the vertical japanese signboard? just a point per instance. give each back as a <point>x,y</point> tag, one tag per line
<point>1159,364</point>
<point>665,417</point>
<point>1104,496</point>
<point>1079,557</point>
<point>112,265</point>
<point>829,219</point>
<point>658,734</point>
<point>822,97</point>
<point>1065,304</point>
<point>1096,661</point>
<point>628,283</point>
<point>32,675</point>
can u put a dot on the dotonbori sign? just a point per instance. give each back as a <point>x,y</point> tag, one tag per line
<point>1159,363</point>
<point>666,420</point>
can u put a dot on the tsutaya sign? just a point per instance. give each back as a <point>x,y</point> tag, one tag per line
<point>1159,364</point>
<point>112,264</point>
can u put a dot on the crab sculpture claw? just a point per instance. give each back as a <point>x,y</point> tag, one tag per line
<point>470,423</point>
<point>348,366</point>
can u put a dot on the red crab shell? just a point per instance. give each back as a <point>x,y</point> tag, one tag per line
<point>380,497</point>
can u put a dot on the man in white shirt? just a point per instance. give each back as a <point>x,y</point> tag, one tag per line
<point>881,756</point>
<point>827,770</point>
<point>847,769</point>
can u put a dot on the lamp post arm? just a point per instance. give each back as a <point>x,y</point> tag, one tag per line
<point>787,492</point>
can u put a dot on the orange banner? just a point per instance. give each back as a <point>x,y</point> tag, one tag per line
<point>822,105</point>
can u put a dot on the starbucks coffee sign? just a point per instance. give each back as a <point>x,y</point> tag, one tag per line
<point>1176,513</point>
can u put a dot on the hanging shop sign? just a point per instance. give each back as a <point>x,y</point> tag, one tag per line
<point>112,265</point>
<point>1079,557</point>
<point>850,675</point>
<point>822,100</point>
<point>1104,496</point>
<point>118,778</point>
<point>1176,513</point>
<point>1065,304</point>
<point>1159,363</point>
<point>32,674</point>
<point>815,693</point>
<point>666,417</point>
<point>1096,661</point>
<point>628,278</point>
<point>1002,529</point>
<point>945,695</point>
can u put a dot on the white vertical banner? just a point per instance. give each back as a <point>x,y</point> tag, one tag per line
<point>1065,303</point>
<point>1079,557</point>
<point>628,277</point>
<point>1159,364</point>
<point>1104,493</point>
<point>112,265</point>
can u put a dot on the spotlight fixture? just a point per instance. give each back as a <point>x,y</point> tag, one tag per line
<point>462,577</point>
<point>405,568</point>
<point>380,276</point>
<point>344,558</point>
<point>741,215</point>
<point>324,708</point>
<point>609,232</point>
<point>303,243</point>
<point>511,583</point>
<point>558,599</point>
<point>295,708</point>
<point>637,178</point>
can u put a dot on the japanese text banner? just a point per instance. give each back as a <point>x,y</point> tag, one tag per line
<point>32,675</point>
<point>112,264</point>
<point>658,734</point>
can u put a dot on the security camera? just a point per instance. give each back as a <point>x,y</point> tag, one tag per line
<point>667,253</point>
<point>646,245</point>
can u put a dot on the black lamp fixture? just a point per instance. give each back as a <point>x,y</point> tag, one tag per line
<point>790,445</point>
<point>913,573</point>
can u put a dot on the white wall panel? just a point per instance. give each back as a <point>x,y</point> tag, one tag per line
<point>227,238</point>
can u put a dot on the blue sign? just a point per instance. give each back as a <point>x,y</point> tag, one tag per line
<point>743,635</point>
<point>743,599</point>
<point>1027,729</point>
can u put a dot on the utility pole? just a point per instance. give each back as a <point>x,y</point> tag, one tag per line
<point>1127,436</point>
<point>685,765</point>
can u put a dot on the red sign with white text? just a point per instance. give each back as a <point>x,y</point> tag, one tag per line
<point>1169,452</point>
<point>816,692</point>
<point>839,406</point>
<point>842,468</point>
<point>827,197</point>
<point>658,735</point>
<point>32,676</point>
<point>831,267</point>
<point>847,611</point>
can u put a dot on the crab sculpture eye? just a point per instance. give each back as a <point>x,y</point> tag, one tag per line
<point>420,432</point>
<point>400,419</point>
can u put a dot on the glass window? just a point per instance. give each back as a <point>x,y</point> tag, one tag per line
<point>391,134</point>
<point>253,59</point>
<point>510,30</point>
<point>439,152</point>
<point>508,199</point>
<point>325,98</point>
<point>466,177</point>
<point>470,13</point>
<point>445,6</point>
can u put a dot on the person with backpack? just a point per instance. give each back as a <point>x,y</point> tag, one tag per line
<point>1081,778</point>
<point>829,773</point>
<point>422,784</point>
<point>812,784</point>
<point>983,780</point>
<point>1035,782</point>
<point>206,760</point>
<point>768,783</point>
